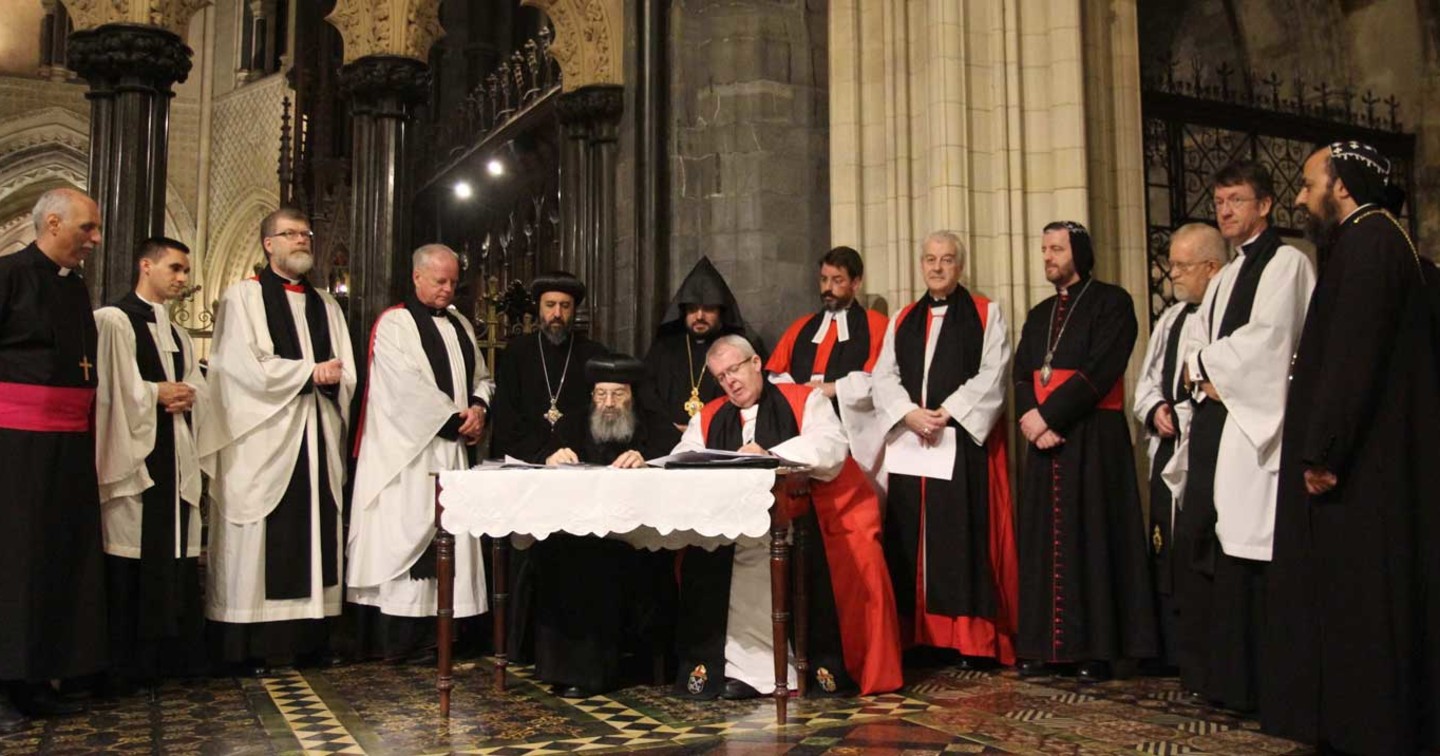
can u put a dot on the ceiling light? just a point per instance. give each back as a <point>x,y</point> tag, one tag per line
<point>463,190</point>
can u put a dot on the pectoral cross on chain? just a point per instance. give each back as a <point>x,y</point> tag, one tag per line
<point>85,365</point>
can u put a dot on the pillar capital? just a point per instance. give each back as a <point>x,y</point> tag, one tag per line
<point>170,15</point>
<point>589,40</point>
<point>149,55</point>
<point>395,28</point>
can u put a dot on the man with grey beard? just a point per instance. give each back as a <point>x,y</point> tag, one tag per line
<point>586,588</point>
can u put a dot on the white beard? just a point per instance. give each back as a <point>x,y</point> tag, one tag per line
<point>298,264</point>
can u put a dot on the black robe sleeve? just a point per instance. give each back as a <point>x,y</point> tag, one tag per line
<point>505,410</point>
<point>1111,338</point>
<point>1363,321</point>
<point>1027,360</point>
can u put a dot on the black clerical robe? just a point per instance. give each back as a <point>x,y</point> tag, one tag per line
<point>586,588</point>
<point>52,581</point>
<point>517,417</point>
<point>1085,590</point>
<point>1352,657</point>
<point>674,365</point>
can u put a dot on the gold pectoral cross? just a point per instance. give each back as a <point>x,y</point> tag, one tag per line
<point>85,365</point>
<point>693,405</point>
<point>553,414</point>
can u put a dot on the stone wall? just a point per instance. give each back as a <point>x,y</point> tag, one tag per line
<point>749,138</point>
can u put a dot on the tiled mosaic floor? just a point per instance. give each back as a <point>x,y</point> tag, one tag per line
<point>382,708</point>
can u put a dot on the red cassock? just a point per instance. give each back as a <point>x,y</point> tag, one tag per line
<point>848,513</point>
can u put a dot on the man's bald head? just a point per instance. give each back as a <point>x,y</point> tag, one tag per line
<point>67,226</point>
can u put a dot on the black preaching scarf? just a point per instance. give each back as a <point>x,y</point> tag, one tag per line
<point>960,580</point>
<point>845,357</point>
<point>160,572</point>
<point>1161,503</point>
<point>287,528</point>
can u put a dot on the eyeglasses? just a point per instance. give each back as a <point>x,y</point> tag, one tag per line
<point>1181,267</point>
<point>293,234</point>
<point>734,370</point>
<point>1236,202</point>
<point>601,396</point>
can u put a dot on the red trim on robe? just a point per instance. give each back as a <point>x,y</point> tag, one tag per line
<point>848,513</point>
<point>297,288</point>
<point>1114,399</point>
<point>369,362</point>
<point>46,409</point>
<point>978,636</point>
<point>779,361</point>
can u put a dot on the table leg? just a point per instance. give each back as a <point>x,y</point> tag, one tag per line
<point>801,606</point>
<point>501,562</point>
<point>445,609</point>
<point>780,614</point>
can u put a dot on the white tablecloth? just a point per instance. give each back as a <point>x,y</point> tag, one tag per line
<point>648,508</point>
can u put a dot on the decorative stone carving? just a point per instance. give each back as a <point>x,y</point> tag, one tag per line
<point>399,28</point>
<point>150,54</point>
<point>171,15</point>
<point>589,40</point>
<point>379,78</point>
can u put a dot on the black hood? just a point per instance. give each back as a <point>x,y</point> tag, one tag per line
<point>703,286</point>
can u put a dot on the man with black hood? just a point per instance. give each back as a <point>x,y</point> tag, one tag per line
<point>702,310</point>
<point>1085,594</point>
<point>541,404</point>
<point>1350,660</point>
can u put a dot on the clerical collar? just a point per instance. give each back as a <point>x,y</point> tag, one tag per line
<point>164,339</point>
<point>148,302</point>
<point>1243,248</point>
<point>941,300</point>
<point>842,326</point>
<point>436,312</point>
<point>1064,291</point>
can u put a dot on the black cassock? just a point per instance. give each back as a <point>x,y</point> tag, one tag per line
<point>520,430</point>
<point>52,581</point>
<point>1352,654</point>
<point>594,597</point>
<point>1085,588</point>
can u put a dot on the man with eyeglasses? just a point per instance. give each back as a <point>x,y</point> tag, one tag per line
<point>281,375</point>
<point>424,410</point>
<point>1237,362</point>
<point>724,633</point>
<point>1163,408</point>
<point>597,598</point>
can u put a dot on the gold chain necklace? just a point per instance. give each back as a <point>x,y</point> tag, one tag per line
<point>554,414</point>
<point>693,405</point>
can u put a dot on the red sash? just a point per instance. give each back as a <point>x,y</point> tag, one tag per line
<point>1114,399</point>
<point>46,409</point>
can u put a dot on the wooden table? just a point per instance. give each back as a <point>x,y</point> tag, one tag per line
<point>791,500</point>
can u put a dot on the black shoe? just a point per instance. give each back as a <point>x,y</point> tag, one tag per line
<point>573,691</point>
<point>11,720</point>
<point>1032,668</point>
<point>738,690</point>
<point>1093,671</point>
<point>43,701</point>
<point>975,663</point>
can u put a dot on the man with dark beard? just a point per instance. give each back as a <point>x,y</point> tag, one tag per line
<point>702,310</point>
<point>1085,595</point>
<point>1351,661</point>
<point>584,585</point>
<point>539,406</point>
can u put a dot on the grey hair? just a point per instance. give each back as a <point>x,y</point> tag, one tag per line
<point>949,237</point>
<point>734,341</point>
<point>54,202</point>
<point>427,252</point>
<point>1208,243</point>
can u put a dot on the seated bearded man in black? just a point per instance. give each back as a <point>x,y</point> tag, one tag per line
<point>592,595</point>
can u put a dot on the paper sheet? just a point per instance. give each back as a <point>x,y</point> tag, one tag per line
<point>906,455</point>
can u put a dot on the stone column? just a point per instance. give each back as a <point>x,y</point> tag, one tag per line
<point>131,65</point>
<point>387,43</point>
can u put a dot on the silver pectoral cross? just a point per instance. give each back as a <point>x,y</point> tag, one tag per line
<point>553,414</point>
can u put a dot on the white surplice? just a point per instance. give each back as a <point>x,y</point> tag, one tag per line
<point>251,448</point>
<point>126,409</point>
<point>1250,370</point>
<point>392,513</point>
<point>749,637</point>
<point>1149,393</point>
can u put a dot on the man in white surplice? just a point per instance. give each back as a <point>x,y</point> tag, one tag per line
<point>748,649</point>
<point>1197,253</point>
<point>149,474</point>
<point>282,375</point>
<point>427,398</point>
<point>1238,352</point>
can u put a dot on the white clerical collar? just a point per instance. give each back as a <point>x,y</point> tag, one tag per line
<point>164,337</point>
<point>64,271</point>
<point>1240,250</point>
<point>842,326</point>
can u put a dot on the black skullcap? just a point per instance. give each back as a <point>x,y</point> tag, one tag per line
<point>1082,250</point>
<point>1364,170</point>
<point>558,280</point>
<point>615,368</point>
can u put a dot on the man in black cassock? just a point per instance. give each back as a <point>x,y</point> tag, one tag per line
<point>702,310</point>
<point>587,589</point>
<point>52,581</point>
<point>1351,660</point>
<point>150,475</point>
<point>541,404</point>
<point>1085,594</point>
